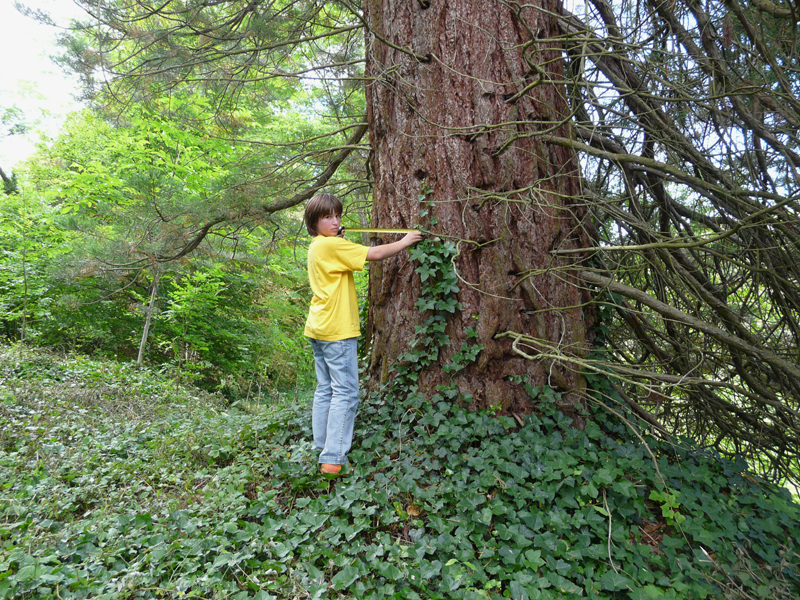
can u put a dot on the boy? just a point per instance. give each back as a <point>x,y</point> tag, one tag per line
<point>333,325</point>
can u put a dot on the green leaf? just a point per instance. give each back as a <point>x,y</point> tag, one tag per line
<point>518,591</point>
<point>603,477</point>
<point>30,572</point>
<point>388,570</point>
<point>429,569</point>
<point>648,592</point>
<point>345,578</point>
<point>613,581</point>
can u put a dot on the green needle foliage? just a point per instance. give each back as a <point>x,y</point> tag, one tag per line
<point>118,484</point>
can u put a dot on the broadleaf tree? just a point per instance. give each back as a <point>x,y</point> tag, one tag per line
<point>136,192</point>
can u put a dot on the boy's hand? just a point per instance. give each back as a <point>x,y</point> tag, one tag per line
<point>412,238</point>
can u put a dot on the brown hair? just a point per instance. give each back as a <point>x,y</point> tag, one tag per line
<point>320,205</point>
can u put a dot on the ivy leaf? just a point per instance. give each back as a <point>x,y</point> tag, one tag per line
<point>425,271</point>
<point>613,581</point>
<point>30,572</point>
<point>423,303</point>
<point>603,477</point>
<point>429,570</point>
<point>518,591</point>
<point>388,570</point>
<point>345,578</point>
<point>650,592</point>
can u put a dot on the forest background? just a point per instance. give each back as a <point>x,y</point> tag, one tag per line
<point>162,228</point>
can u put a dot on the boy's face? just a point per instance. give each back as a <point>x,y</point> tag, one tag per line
<point>328,225</point>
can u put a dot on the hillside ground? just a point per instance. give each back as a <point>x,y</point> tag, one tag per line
<point>119,483</point>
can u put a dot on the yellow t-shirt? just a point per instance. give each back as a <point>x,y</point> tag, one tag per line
<point>333,314</point>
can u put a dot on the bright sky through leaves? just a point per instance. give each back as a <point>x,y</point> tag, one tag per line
<point>29,79</point>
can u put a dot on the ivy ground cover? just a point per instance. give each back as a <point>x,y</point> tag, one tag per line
<point>117,484</point>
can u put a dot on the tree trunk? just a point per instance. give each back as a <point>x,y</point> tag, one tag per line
<point>453,103</point>
<point>148,314</point>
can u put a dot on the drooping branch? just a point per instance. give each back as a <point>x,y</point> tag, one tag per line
<point>672,313</point>
<point>687,118</point>
<point>323,178</point>
<point>277,206</point>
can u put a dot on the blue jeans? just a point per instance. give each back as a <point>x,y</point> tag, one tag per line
<point>336,398</point>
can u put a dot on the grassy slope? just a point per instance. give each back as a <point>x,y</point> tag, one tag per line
<point>115,484</point>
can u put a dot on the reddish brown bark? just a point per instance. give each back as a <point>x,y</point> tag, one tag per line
<point>456,114</point>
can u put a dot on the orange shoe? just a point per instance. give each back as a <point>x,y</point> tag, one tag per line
<point>328,469</point>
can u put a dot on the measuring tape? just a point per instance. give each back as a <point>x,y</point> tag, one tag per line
<point>373,230</point>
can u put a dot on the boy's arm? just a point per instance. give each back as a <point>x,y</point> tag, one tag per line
<point>386,250</point>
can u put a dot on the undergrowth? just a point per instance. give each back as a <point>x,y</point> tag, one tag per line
<point>117,484</point>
